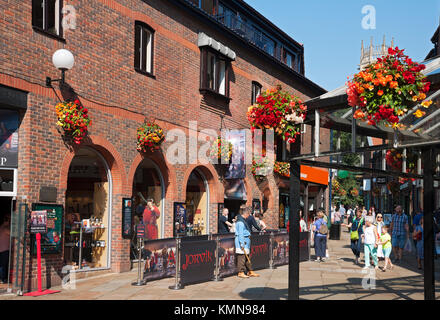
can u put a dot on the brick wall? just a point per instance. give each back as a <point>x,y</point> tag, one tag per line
<point>104,80</point>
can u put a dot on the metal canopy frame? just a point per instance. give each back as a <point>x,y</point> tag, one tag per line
<point>319,117</point>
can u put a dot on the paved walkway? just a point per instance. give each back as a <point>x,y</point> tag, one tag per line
<point>338,278</point>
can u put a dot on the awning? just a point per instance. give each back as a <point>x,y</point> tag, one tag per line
<point>315,175</point>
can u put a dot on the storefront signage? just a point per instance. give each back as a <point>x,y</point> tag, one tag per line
<point>226,253</point>
<point>51,239</point>
<point>197,261</point>
<point>160,259</point>
<point>315,175</point>
<point>9,138</point>
<point>127,218</point>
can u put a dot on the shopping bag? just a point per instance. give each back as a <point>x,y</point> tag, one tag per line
<point>409,246</point>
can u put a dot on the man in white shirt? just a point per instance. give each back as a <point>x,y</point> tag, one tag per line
<point>342,212</point>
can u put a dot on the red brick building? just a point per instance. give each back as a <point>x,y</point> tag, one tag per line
<point>134,60</point>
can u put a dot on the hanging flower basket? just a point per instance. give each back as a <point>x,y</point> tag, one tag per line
<point>394,159</point>
<point>260,168</point>
<point>393,187</point>
<point>282,168</point>
<point>280,111</point>
<point>149,137</point>
<point>354,192</point>
<point>388,88</point>
<point>73,118</point>
<point>221,151</point>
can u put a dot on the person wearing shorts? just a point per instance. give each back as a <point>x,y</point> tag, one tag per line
<point>399,232</point>
<point>385,241</point>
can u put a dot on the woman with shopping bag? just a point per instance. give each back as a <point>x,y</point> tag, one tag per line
<point>356,227</point>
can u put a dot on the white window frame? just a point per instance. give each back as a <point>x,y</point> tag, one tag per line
<point>14,189</point>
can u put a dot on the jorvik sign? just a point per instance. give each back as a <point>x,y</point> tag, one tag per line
<point>197,261</point>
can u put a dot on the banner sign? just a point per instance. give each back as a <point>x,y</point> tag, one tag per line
<point>281,248</point>
<point>237,168</point>
<point>226,253</point>
<point>52,236</point>
<point>197,261</point>
<point>260,255</point>
<point>179,219</point>
<point>160,259</point>
<point>127,218</point>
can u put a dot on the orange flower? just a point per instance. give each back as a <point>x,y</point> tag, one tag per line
<point>380,93</point>
<point>393,84</point>
<point>419,113</point>
<point>389,78</point>
<point>359,114</point>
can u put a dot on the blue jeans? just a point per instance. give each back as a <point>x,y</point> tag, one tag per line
<point>320,245</point>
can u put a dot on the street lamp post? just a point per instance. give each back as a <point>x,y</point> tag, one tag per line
<point>63,60</point>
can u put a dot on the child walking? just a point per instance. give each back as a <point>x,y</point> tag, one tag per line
<point>370,238</point>
<point>385,241</point>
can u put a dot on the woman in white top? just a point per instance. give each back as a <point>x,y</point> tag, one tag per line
<point>259,218</point>
<point>379,224</point>
<point>370,238</point>
<point>302,223</point>
<point>232,227</point>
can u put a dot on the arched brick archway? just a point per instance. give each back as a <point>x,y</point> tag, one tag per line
<point>216,189</point>
<point>110,154</point>
<point>167,171</point>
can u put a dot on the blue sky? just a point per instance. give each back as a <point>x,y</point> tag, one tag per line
<point>331,31</point>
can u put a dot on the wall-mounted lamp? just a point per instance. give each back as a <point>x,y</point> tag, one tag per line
<point>63,60</point>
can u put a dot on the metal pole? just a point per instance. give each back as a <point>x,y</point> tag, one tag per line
<point>80,246</point>
<point>140,281</point>
<point>177,285</point>
<point>295,176</point>
<point>428,219</point>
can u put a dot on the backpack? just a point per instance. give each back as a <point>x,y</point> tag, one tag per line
<point>323,229</point>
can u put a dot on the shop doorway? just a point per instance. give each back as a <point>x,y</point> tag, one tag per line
<point>148,184</point>
<point>197,203</point>
<point>6,208</point>
<point>88,200</point>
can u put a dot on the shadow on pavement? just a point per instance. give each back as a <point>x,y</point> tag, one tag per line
<point>264,293</point>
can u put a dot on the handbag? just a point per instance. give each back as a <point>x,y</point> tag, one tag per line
<point>354,235</point>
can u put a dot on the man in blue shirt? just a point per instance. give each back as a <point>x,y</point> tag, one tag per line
<point>399,232</point>
<point>320,237</point>
<point>243,244</point>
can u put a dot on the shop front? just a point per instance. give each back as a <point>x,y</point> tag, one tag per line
<point>13,104</point>
<point>88,211</point>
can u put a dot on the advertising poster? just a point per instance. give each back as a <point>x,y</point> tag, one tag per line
<point>260,255</point>
<point>160,259</point>
<point>237,168</point>
<point>179,219</point>
<point>235,189</point>
<point>226,253</point>
<point>197,262</point>
<point>9,138</point>
<point>51,240</point>
<point>256,206</point>
<point>127,217</point>
<point>39,221</point>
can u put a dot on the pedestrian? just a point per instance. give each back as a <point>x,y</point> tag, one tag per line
<point>224,224</point>
<point>417,217</point>
<point>370,237</point>
<point>399,232</point>
<point>252,223</point>
<point>302,223</point>
<point>342,212</point>
<point>336,218</point>
<point>260,222</point>
<point>320,230</point>
<point>4,248</point>
<point>373,212</point>
<point>418,235</point>
<point>233,224</point>
<point>379,225</point>
<point>385,243</point>
<point>356,231</point>
<point>243,245</point>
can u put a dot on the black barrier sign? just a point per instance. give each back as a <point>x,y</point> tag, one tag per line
<point>160,259</point>
<point>260,255</point>
<point>226,253</point>
<point>197,261</point>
